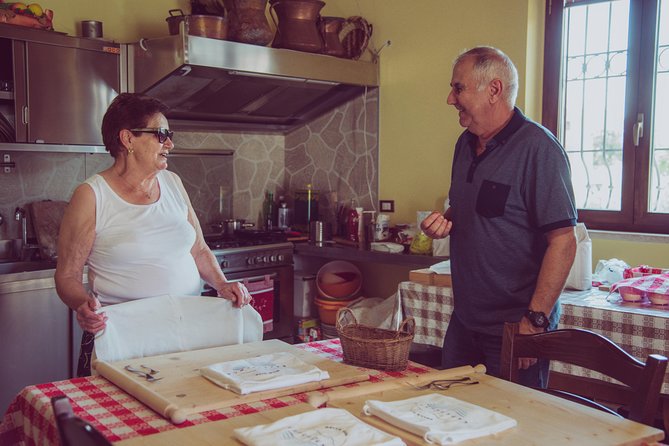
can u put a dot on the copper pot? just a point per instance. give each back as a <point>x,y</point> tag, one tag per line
<point>297,24</point>
<point>330,29</point>
<point>247,22</point>
<point>211,26</point>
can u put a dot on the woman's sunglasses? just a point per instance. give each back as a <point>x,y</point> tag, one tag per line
<point>161,133</point>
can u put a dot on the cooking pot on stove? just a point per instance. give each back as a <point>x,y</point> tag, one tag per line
<point>228,227</point>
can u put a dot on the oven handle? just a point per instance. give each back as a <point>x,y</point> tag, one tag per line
<point>255,278</point>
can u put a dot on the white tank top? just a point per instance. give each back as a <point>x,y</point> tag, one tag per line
<point>141,250</point>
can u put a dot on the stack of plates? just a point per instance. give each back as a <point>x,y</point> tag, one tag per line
<point>6,130</point>
<point>329,331</point>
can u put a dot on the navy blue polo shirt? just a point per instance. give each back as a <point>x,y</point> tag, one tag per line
<point>502,204</point>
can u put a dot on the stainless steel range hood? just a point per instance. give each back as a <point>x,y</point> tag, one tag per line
<point>213,84</point>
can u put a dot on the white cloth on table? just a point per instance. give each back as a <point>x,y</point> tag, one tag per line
<point>265,372</point>
<point>319,427</point>
<point>168,324</point>
<point>440,419</point>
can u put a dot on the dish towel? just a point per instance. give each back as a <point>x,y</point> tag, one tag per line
<point>265,372</point>
<point>440,419</point>
<point>168,324</point>
<point>319,427</point>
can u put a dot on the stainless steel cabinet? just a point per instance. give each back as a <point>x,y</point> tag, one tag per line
<point>35,334</point>
<point>62,85</point>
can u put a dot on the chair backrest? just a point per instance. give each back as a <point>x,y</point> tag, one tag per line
<point>73,430</point>
<point>594,352</point>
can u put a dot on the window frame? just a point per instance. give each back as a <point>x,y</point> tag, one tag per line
<point>633,216</point>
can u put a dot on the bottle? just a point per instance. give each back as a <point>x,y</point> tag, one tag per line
<point>282,214</point>
<point>352,223</point>
<point>381,228</point>
<point>269,211</point>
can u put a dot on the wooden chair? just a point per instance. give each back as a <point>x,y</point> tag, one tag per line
<point>74,431</point>
<point>642,382</point>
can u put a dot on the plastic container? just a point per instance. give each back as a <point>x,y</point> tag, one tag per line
<point>327,309</point>
<point>339,280</point>
<point>304,294</point>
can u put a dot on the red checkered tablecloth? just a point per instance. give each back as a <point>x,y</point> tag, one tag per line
<point>29,419</point>
<point>640,329</point>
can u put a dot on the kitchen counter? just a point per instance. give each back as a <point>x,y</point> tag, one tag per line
<point>341,252</point>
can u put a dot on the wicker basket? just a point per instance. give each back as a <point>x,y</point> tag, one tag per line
<point>374,348</point>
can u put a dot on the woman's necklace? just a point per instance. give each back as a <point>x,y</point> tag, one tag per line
<point>147,193</point>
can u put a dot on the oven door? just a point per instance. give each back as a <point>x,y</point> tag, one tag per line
<point>282,278</point>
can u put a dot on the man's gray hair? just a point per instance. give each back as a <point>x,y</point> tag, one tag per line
<point>491,63</point>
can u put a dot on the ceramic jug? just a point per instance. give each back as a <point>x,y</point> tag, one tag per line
<point>297,24</point>
<point>247,22</point>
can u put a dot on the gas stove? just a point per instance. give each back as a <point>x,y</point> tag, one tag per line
<point>249,250</point>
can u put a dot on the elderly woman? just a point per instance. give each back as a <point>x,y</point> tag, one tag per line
<point>133,224</point>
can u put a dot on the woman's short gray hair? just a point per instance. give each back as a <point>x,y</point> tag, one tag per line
<point>491,63</point>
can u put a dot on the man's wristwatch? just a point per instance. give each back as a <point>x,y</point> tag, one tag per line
<point>537,318</point>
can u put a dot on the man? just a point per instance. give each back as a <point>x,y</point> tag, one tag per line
<point>510,218</point>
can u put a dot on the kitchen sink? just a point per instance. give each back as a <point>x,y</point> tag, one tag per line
<point>20,267</point>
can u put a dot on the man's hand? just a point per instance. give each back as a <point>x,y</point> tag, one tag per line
<point>436,225</point>
<point>526,328</point>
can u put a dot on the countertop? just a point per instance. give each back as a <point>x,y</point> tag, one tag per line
<point>341,252</point>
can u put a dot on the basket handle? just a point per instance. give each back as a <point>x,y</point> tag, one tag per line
<point>408,326</point>
<point>345,313</point>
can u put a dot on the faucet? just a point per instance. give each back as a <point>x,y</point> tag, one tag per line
<point>20,215</point>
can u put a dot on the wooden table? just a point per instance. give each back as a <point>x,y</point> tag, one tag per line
<point>542,419</point>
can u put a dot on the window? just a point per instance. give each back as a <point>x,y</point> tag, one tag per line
<point>606,97</point>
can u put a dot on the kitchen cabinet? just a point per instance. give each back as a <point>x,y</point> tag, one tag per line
<point>40,335</point>
<point>62,85</point>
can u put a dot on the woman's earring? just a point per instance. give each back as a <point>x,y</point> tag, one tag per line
<point>130,151</point>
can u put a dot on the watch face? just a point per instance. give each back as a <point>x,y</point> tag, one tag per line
<point>538,319</point>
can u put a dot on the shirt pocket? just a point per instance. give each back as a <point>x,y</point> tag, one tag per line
<point>491,199</point>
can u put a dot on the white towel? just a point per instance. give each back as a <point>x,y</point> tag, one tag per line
<point>265,372</point>
<point>168,324</point>
<point>318,427</point>
<point>440,419</point>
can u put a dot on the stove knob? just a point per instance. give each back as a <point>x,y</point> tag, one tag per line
<point>265,259</point>
<point>281,257</point>
<point>258,260</point>
<point>225,264</point>
<point>249,261</point>
<point>273,258</point>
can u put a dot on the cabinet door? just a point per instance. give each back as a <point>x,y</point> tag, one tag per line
<point>35,334</point>
<point>68,91</point>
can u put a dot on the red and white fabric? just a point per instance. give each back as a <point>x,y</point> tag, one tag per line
<point>119,416</point>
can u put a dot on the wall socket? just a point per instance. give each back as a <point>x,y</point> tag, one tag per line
<point>386,205</point>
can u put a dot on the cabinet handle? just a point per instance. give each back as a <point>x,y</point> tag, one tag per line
<point>25,114</point>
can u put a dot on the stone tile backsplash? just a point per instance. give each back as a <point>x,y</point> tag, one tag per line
<point>336,153</point>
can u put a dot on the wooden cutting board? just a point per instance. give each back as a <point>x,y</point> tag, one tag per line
<point>46,218</point>
<point>215,433</point>
<point>428,277</point>
<point>183,391</point>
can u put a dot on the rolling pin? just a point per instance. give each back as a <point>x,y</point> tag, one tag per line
<point>321,398</point>
<point>147,396</point>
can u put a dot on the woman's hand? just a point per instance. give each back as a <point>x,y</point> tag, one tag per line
<point>88,319</point>
<point>236,292</point>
